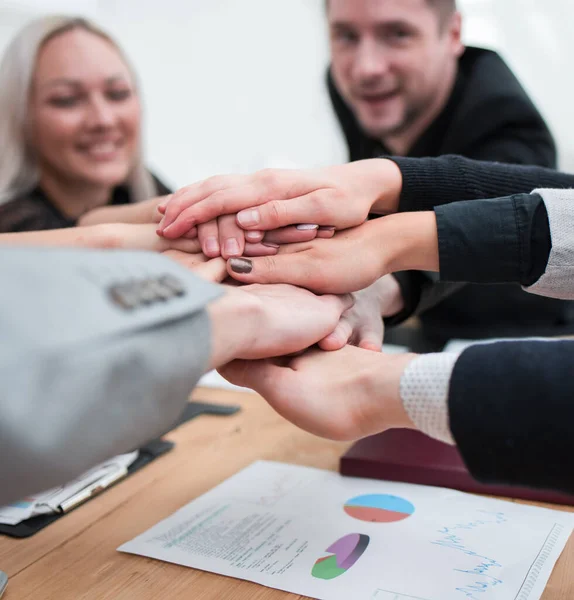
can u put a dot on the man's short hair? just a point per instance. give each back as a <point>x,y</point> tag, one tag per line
<point>444,8</point>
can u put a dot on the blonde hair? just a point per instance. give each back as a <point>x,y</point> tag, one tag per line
<point>19,173</point>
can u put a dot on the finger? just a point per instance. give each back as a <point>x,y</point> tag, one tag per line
<point>339,338</point>
<point>231,237</point>
<point>291,235</point>
<point>192,206</point>
<point>254,237</point>
<point>259,375</point>
<point>208,235</point>
<point>260,249</point>
<point>371,338</point>
<point>190,195</point>
<point>183,245</point>
<point>315,207</point>
<point>191,234</point>
<point>189,261</point>
<point>287,268</point>
<point>326,232</point>
<point>213,270</point>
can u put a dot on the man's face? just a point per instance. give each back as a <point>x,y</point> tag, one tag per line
<point>391,59</point>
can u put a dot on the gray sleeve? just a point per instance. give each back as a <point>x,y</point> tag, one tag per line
<point>558,279</point>
<point>82,379</point>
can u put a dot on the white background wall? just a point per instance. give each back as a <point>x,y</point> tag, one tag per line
<point>236,85</point>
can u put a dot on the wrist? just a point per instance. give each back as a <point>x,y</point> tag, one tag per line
<point>234,319</point>
<point>390,296</point>
<point>409,241</point>
<point>383,378</point>
<point>388,181</point>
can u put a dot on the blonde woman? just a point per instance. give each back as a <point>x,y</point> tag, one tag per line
<point>70,130</point>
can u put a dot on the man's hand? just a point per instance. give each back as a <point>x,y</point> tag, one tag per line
<point>343,395</point>
<point>261,321</point>
<point>362,325</point>
<point>340,197</point>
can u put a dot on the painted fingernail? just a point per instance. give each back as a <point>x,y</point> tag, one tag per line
<point>232,247</point>
<point>248,218</point>
<point>307,227</point>
<point>327,228</point>
<point>241,265</point>
<point>270,245</point>
<point>212,245</point>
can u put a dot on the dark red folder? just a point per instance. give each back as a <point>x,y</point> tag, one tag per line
<point>411,457</point>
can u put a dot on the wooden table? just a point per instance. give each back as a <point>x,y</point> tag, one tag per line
<point>76,558</point>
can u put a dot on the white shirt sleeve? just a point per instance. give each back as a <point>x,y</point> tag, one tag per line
<point>424,392</point>
<point>558,279</point>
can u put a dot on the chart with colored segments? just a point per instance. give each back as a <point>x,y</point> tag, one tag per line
<point>379,508</point>
<point>345,552</point>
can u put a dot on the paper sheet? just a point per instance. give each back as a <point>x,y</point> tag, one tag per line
<point>319,534</point>
<point>49,502</point>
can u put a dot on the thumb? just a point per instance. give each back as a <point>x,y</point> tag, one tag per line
<point>284,268</point>
<point>212,270</point>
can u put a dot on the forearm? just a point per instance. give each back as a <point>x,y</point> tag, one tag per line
<point>142,212</point>
<point>93,236</point>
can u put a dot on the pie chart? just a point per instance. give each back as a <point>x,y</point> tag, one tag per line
<point>379,508</point>
<point>344,553</point>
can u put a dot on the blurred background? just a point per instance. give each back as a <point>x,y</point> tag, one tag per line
<point>234,85</point>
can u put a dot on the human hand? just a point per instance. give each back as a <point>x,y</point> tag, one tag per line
<point>353,259</point>
<point>261,321</point>
<point>340,196</point>
<point>223,237</point>
<point>344,395</point>
<point>362,325</point>
<point>212,269</point>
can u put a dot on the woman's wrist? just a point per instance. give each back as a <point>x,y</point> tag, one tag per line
<point>408,241</point>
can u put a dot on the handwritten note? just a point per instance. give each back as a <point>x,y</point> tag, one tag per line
<point>318,534</point>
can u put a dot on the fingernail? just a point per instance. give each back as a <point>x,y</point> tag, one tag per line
<point>212,245</point>
<point>307,227</point>
<point>232,247</point>
<point>327,228</point>
<point>241,265</point>
<point>248,218</point>
<point>270,245</point>
<point>252,235</point>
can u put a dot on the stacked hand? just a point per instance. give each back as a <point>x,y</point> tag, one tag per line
<point>229,211</point>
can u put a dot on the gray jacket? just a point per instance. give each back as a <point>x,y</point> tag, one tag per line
<point>99,351</point>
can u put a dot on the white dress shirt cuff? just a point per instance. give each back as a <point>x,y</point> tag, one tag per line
<point>424,392</point>
<point>558,278</point>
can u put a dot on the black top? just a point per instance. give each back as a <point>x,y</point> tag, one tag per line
<point>36,212</point>
<point>489,116</point>
<point>511,412</point>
